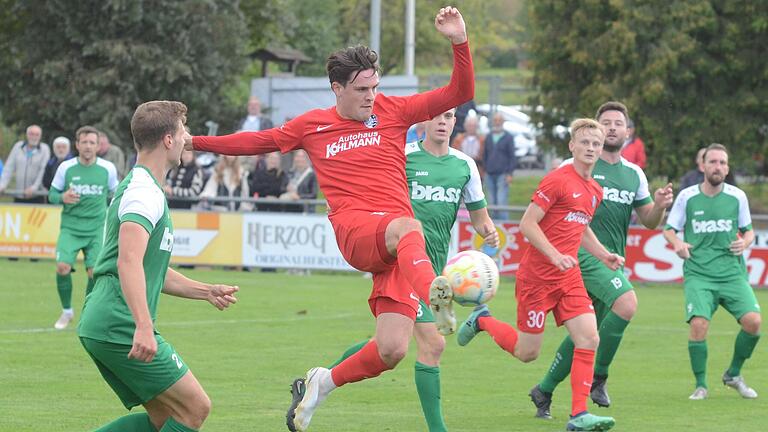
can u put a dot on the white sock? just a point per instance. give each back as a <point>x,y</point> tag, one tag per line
<point>69,311</point>
<point>326,383</point>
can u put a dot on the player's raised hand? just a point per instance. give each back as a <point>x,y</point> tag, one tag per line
<point>144,344</point>
<point>221,296</point>
<point>738,246</point>
<point>450,24</point>
<point>664,196</point>
<point>613,261</point>
<point>70,197</point>
<point>564,262</point>
<point>683,249</point>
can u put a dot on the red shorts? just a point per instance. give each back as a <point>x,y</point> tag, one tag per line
<point>360,236</point>
<point>566,300</point>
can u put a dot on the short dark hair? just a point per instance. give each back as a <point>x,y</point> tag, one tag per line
<point>612,106</point>
<point>342,63</point>
<point>155,119</point>
<point>84,130</point>
<point>713,146</point>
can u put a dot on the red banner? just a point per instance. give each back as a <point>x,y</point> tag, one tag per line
<point>649,257</point>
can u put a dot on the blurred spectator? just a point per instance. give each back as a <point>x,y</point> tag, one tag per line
<point>112,153</point>
<point>471,143</point>
<point>1,168</point>
<point>228,180</point>
<point>462,113</point>
<point>269,182</point>
<point>555,163</point>
<point>26,164</point>
<point>696,175</point>
<point>634,148</point>
<point>185,181</point>
<point>62,150</point>
<point>302,183</point>
<point>499,161</point>
<point>416,132</point>
<point>254,121</point>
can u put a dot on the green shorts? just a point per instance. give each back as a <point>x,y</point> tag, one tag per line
<point>134,381</point>
<point>603,285</point>
<point>702,298</point>
<point>70,244</point>
<point>424,314</point>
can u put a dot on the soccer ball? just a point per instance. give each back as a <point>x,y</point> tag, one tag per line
<point>474,277</point>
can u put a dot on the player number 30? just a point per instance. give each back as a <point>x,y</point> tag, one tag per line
<point>535,319</point>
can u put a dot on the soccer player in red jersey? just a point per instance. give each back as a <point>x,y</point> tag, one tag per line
<point>556,223</point>
<point>357,151</point>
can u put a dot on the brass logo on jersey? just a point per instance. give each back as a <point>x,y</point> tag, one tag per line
<point>711,226</point>
<point>434,193</point>
<point>618,196</point>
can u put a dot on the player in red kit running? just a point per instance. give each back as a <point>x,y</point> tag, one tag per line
<point>357,151</point>
<point>556,223</point>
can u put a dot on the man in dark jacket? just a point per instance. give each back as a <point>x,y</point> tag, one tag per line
<point>499,161</point>
<point>61,152</point>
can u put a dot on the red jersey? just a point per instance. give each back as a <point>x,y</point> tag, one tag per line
<point>569,202</point>
<point>359,165</point>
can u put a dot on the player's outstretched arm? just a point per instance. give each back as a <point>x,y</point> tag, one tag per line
<point>484,226</point>
<point>237,144</point>
<point>220,296</point>
<point>682,249</point>
<point>651,214</point>
<point>529,226</point>
<point>132,244</point>
<point>591,243</point>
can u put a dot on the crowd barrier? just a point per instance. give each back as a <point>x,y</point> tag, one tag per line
<point>296,240</point>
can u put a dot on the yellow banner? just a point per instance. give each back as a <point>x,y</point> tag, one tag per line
<point>28,230</point>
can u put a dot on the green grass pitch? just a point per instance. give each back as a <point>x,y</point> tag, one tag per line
<point>246,358</point>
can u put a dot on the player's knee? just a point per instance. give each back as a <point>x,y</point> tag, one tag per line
<point>391,354</point>
<point>588,341</point>
<point>699,327</point>
<point>432,349</point>
<point>526,355</point>
<point>751,323</point>
<point>196,411</point>
<point>625,306</point>
<point>63,269</point>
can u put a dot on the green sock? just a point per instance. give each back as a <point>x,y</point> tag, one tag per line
<point>611,332</point>
<point>742,350</point>
<point>561,366</point>
<point>171,425</point>
<point>698,352</point>
<point>64,285</point>
<point>428,387</point>
<point>351,350</point>
<point>89,287</point>
<point>138,422</point>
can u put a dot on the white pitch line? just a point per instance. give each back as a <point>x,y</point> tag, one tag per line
<point>163,324</point>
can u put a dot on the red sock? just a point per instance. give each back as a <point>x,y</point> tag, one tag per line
<point>364,364</point>
<point>415,264</point>
<point>502,333</point>
<point>581,379</point>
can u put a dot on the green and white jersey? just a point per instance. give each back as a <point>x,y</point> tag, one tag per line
<point>94,183</point>
<point>437,185</point>
<point>624,188</point>
<point>138,199</point>
<point>710,224</point>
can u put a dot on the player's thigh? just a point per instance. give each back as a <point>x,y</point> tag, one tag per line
<point>738,298</point>
<point>136,382</point>
<point>534,301</point>
<point>185,399</point>
<point>583,330</point>
<point>92,250</point>
<point>602,283</point>
<point>68,246</point>
<point>360,236</point>
<point>701,298</point>
<point>428,339</point>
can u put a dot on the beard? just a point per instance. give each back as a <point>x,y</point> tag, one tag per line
<point>715,179</point>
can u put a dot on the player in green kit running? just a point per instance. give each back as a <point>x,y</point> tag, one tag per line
<point>625,188</point>
<point>439,178</point>
<point>83,185</point>
<point>117,324</point>
<point>717,228</point>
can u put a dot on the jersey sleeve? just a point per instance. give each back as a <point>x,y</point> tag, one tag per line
<point>142,203</point>
<point>112,180</point>
<point>473,195</point>
<point>676,218</point>
<point>643,194</point>
<point>461,88</point>
<point>59,178</point>
<point>548,192</point>
<point>745,217</point>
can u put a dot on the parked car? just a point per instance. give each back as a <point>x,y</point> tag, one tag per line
<point>518,124</point>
